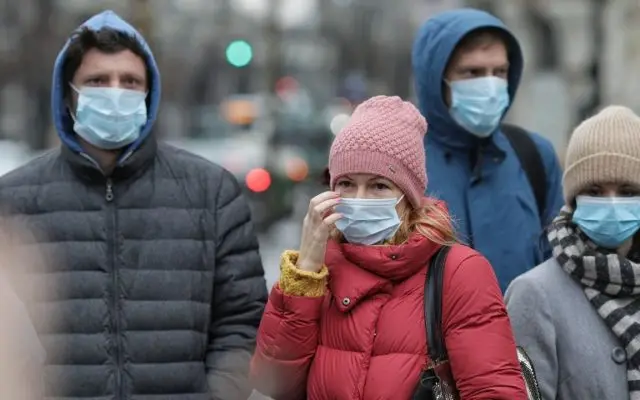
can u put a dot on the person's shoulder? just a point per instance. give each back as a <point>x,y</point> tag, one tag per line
<point>544,145</point>
<point>540,281</point>
<point>546,275</point>
<point>469,280</point>
<point>460,252</point>
<point>465,263</point>
<point>31,172</point>
<point>170,153</point>
<point>197,171</point>
<point>183,164</point>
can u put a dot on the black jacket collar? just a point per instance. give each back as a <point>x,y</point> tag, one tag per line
<point>132,166</point>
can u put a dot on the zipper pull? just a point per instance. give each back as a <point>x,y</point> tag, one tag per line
<point>109,194</point>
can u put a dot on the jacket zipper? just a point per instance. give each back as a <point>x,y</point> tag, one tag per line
<point>476,179</point>
<point>112,241</point>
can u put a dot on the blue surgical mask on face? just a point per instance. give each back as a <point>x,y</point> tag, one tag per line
<point>478,104</point>
<point>368,221</point>
<point>109,118</point>
<point>608,221</point>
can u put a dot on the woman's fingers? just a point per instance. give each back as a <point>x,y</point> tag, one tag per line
<point>326,208</point>
<point>316,230</point>
<point>321,198</point>
<point>331,219</point>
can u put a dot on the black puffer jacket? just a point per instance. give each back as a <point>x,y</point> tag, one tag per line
<point>153,276</point>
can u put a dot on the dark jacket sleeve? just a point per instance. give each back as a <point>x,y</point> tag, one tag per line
<point>478,335</point>
<point>239,295</point>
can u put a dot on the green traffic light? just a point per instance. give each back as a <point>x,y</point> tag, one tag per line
<point>239,53</point>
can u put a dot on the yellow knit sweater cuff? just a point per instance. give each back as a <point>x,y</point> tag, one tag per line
<point>296,282</point>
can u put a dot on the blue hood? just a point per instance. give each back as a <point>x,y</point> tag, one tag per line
<point>61,118</point>
<point>432,49</point>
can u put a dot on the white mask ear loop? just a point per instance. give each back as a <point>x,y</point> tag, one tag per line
<point>71,113</point>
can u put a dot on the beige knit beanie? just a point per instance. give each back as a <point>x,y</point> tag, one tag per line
<point>603,149</point>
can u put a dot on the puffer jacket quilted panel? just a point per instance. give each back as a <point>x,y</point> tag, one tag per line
<point>365,339</point>
<point>156,291</point>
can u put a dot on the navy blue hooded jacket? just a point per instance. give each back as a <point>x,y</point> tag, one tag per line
<point>492,201</point>
<point>153,273</point>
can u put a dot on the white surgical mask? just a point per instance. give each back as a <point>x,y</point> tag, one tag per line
<point>109,118</point>
<point>608,221</point>
<point>368,221</point>
<point>478,104</point>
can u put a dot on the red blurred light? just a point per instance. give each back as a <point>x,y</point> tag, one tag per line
<point>258,180</point>
<point>286,85</point>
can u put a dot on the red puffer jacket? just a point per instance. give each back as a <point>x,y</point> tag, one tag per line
<point>365,338</point>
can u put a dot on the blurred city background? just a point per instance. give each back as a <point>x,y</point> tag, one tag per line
<point>261,86</point>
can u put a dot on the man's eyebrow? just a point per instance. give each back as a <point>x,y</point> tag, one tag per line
<point>133,75</point>
<point>630,186</point>
<point>94,75</point>
<point>475,65</point>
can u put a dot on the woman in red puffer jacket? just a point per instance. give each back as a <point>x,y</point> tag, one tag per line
<point>346,319</point>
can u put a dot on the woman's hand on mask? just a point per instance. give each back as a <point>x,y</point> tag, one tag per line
<point>316,229</point>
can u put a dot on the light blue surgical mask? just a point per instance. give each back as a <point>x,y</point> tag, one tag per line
<point>368,221</point>
<point>478,104</point>
<point>109,118</point>
<point>608,221</point>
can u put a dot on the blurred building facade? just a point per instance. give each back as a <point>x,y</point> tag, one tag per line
<point>579,53</point>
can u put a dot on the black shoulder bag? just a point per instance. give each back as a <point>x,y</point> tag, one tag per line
<point>437,382</point>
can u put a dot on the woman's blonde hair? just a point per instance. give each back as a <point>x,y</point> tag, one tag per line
<point>430,220</point>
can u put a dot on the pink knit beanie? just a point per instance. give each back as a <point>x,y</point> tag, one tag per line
<point>383,137</point>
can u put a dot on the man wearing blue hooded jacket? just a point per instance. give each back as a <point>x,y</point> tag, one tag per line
<point>467,67</point>
<point>153,272</point>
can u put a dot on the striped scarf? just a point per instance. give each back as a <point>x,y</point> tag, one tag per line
<point>610,282</point>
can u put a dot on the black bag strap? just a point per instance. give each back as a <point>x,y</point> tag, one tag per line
<point>531,161</point>
<point>436,346</point>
